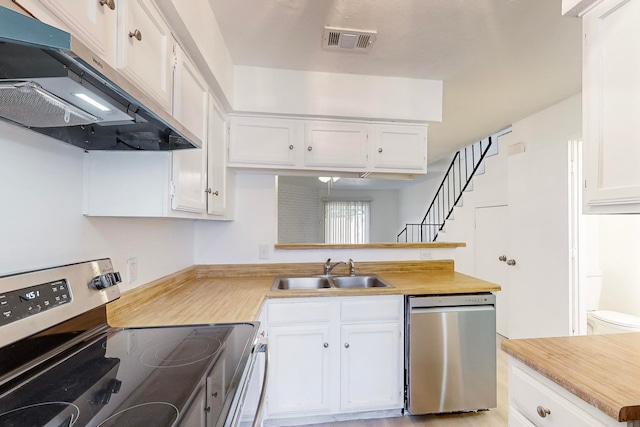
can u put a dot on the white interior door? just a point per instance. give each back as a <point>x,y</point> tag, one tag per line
<point>492,240</point>
<point>539,238</point>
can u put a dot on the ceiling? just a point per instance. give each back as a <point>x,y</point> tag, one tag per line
<point>500,60</point>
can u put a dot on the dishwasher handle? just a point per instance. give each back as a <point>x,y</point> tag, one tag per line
<point>467,308</point>
<point>262,347</point>
<point>451,300</point>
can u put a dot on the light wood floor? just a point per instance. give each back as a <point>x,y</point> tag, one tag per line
<point>492,418</point>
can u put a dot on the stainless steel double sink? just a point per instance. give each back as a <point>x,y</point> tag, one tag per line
<point>288,283</point>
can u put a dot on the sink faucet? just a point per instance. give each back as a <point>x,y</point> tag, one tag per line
<point>328,268</point>
<point>352,267</point>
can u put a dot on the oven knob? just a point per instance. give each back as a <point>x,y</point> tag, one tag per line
<point>103,397</point>
<point>114,385</point>
<point>105,280</point>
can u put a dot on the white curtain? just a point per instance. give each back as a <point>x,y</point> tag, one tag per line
<point>346,221</point>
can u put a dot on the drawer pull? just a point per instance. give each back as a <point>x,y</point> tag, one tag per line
<point>135,35</point>
<point>111,4</point>
<point>542,411</point>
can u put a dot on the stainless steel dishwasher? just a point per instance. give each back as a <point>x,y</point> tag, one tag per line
<point>450,353</point>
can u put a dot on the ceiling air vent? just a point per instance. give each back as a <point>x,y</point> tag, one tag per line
<point>348,40</point>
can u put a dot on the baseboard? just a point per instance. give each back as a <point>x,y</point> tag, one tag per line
<point>318,419</point>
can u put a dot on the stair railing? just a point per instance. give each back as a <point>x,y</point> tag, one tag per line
<point>456,180</point>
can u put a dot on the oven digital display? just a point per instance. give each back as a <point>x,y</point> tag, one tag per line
<point>26,302</point>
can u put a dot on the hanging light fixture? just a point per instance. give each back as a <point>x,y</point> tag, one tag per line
<point>326,179</point>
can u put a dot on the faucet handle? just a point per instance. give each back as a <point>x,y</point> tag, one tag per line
<point>352,268</point>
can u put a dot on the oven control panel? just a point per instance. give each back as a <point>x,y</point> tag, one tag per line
<point>26,302</point>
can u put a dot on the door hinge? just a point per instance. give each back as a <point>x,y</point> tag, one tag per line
<point>585,184</point>
<point>172,189</point>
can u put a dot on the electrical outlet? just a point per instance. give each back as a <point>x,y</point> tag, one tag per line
<point>426,255</point>
<point>263,251</point>
<point>132,270</point>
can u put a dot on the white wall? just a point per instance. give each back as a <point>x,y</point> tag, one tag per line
<point>492,187</point>
<point>256,216</point>
<point>619,252</point>
<point>41,222</point>
<point>414,200</point>
<point>277,91</point>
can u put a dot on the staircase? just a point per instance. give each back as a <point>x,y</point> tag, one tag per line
<point>465,164</point>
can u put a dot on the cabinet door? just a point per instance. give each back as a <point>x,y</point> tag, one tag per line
<point>145,50</point>
<point>371,367</point>
<point>218,185</point>
<point>92,23</point>
<point>263,142</point>
<point>190,166</point>
<point>611,81</point>
<point>400,147</point>
<point>195,414</point>
<point>299,376</point>
<point>335,145</point>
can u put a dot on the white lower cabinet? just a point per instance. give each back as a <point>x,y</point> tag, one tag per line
<point>537,401</point>
<point>334,356</point>
<point>300,369</point>
<point>369,362</point>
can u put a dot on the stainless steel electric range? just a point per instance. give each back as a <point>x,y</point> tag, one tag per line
<point>62,365</point>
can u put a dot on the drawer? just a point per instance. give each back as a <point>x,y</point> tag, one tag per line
<point>298,312</point>
<point>378,309</point>
<point>527,393</point>
<point>516,419</point>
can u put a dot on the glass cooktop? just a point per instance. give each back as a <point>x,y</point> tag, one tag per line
<point>132,377</point>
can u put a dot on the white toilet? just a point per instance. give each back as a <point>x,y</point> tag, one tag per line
<point>606,321</point>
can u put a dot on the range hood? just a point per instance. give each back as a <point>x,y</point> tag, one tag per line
<point>53,84</point>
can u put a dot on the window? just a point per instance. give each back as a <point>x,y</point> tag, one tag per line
<point>346,221</point>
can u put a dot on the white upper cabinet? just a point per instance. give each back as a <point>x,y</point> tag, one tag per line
<point>400,148</point>
<point>326,145</point>
<point>190,100</point>
<point>91,21</point>
<point>335,145</point>
<point>611,83</point>
<point>145,49</point>
<point>221,182</point>
<point>263,142</point>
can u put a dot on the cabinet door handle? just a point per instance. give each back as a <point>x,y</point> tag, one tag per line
<point>511,262</point>
<point>542,411</point>
<point>326,345</point>
<point>346,345</point>
<point>210,191</point>
<point>502,258</point>
<point>309,148</point>
<point>379,150</point>
<point>136,34</point>
<point>111,4</point>
<point>291,147</point>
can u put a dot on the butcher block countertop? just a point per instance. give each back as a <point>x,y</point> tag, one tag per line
<point>235,292</point>
<point>602,370</point>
